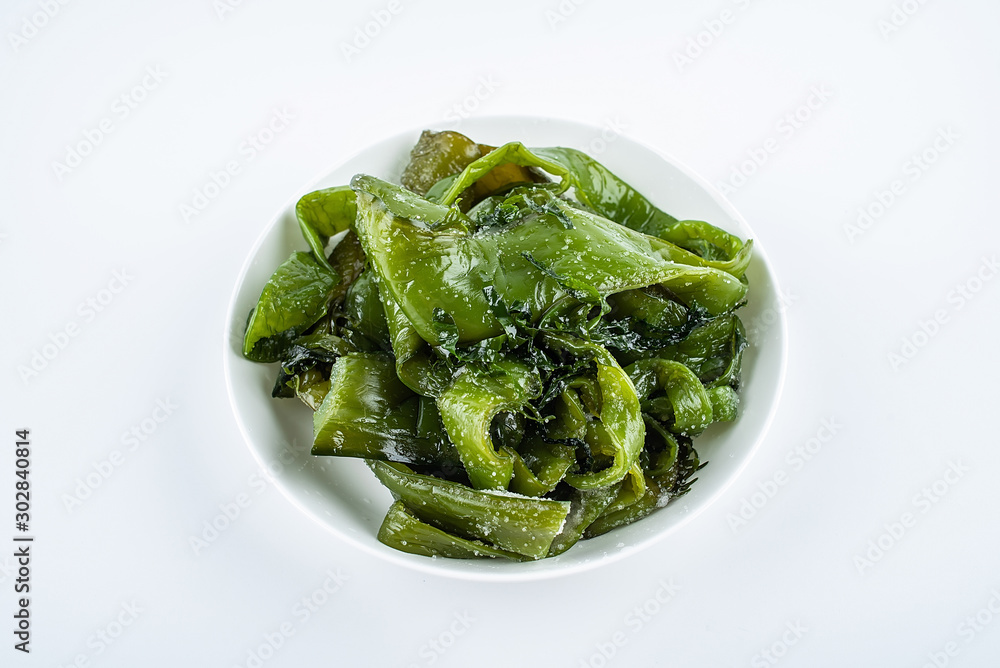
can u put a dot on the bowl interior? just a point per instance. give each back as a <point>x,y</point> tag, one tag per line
<point>343,496</point>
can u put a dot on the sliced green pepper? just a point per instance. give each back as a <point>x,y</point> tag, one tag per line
<point>586,505</point>
<point>369,413</point>
<point>620,417</point>
<point>468,407</point>
<point>295,297</point>
<point>437,155</point>
<point>656,496</point>
<point>402,530</point>
<point>514,523</point>
<point>725,403</point>
<point>600,189</point>
<point>415,363</point>
<point>322,214</point>
<point>364,310</point>
<point>540,466</point>
<point>692,408</point>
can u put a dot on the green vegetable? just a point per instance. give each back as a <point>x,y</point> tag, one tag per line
<point>369,413</point>
<point>585,507</point>
<point>295,298</point>
<point>609,196</point>
<point>521,345</point>
<point>539,466</point>
<point>514,523</point>
<point>468,407</point>
<point>402,530</point>
<point>437,155</point>
<point>323,214</point>
<point>537,262</point>
<point>621,433</point>
<point>690,405</point>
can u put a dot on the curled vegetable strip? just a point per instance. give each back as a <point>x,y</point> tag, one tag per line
<point>369,413</point>
<point>585,507</point>
<point>600,189</point>
<point>692,242</point>
<point>620,415</point>
<point>513,153</point>
<point>692,407</point>
<point>540,466</point>
<point>322,214</point>
<point>414,364</point>
<point>468,407</point>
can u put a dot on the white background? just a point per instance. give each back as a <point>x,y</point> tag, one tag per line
<point>885,93</point>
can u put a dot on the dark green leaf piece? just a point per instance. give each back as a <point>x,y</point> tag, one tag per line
<point>293,299</point>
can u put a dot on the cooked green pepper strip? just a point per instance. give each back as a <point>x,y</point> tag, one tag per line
<point>304,355</point>
<point>692,408</point>
<point>363,308</point>
<point>514,153</point>
<point>714,351</point>
<point>655,310</point>
<point>632,489</point>
<point>322,214</point>
<point>570,417</point>
<point>468,407</point>
<point>403,203</point>
<point>725,403</point>
<point>714,247</point>
<point>294,298</point>
<point>435,156</point>
<point>610,258</point>
<point>369,413</point>
<point>428,269</point>
<point>415,364</point>
<point>514,523</point>
<point>655,497</point>
<point>310,386</point>
<point>663,461</point>
<point>423,270</point>
<point>402,530</point>
<point>586,505</point>
<point>619,414</point>
<point>601,190</point>
<point>540,466</point>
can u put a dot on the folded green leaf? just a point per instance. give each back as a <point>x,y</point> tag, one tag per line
<point>427,269</point>
<point>324,213</point>
<point>294,298</point>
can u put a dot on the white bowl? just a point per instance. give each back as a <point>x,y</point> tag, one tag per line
<point>343,496</point>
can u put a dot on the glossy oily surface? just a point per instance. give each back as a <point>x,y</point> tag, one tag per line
<point>344,497</point>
